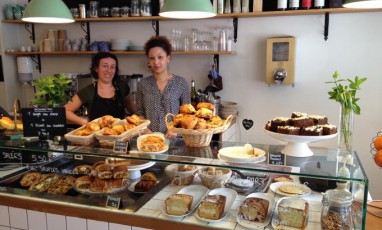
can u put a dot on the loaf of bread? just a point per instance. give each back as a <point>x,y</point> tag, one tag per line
<point>293,213</point>
<point>254,209</point>
<point>178,204</point>
<point>212,207</point>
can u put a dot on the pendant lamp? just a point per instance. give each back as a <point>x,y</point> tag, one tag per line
<point>365,4</point>
<point>47,11</point>
<point>187,9</point>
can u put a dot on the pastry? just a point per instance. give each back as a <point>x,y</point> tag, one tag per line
<point>59,188</point>
<point>187,109</point>
<point>144,185</point>
<point>106,121</point>
<point>293,213</point>
<point>82,169</point>
<point>30,178</point>
<point>214,122</point>
<point>319,120</point>
<point>206,105</point>
<point>204,113</point>
<point>278,121</point>
<point>119,129</point>
<point>178,204</point>
<point>282,178</point>
<point>134,119</point>
<point>254,209</point>
<point>104,171</point>
<point>97,164</point>
<point>298,114</point>
<point>290,189</point>
<point>184,168</point>
<point>92,126</point>
<point>83,132</point>
<point>189,122</point>
<point>151,144</point>
<point>328,129</point>
<point>149,176</point>
<point>201,124</point>
<point>120,172</point>
<point>177,120</point>
<point>114,183</point>
<point>7,123</point>
<point>212,207</point>
<point>109,131</point>
<point>129,126</point>
<point>69,180</point>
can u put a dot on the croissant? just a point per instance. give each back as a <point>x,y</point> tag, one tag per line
<point>144,185</point>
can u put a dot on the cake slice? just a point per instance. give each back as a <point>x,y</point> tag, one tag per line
<point>254,209</point>
<point>328,129</point>
<point>293,213</point>
<point>298,114</point>
<point>319,120</point>
<point>178,204</point>
<point>212,207</point>
<point>290,130</point>
<point>312,131</point>
<point>279,121</point>
<point>302,122</point>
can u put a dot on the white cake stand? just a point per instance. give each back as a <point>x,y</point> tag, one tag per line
<point>298,145</point>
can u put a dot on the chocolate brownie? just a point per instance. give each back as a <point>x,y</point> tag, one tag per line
<point>328,129</point>
<point>302,122</point>
<point>291,130</point>
<point>312,131</point>
<point>319,120</point>
<point>299,114</point>
<point>279,121</point>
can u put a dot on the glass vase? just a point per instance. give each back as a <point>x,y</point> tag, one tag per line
<point>346,125</point>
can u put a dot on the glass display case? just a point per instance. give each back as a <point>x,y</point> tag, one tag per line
<point>264,175</point>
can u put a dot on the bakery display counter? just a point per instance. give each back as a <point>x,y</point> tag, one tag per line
<point>270,175</point>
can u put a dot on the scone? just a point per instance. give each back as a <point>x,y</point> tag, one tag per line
<point>187,109</point>
<point>204,113</point>
<point>206,105</point>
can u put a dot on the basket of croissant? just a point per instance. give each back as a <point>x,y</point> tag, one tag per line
<point>197,125</point>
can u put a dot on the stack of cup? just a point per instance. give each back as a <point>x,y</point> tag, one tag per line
<point>61,39</point>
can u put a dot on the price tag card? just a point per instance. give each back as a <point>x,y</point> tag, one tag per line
<point>120,146</point>
<point>113,202</point>
<point>276,159</point>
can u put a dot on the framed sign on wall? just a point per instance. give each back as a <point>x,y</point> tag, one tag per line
<point>280,60</point>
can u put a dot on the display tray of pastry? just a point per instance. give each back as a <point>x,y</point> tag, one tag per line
<point>121,130</point>
<point>291,213</point>
<point>185,201</point>
<point>216,205</point>
<point>85,134</point>
<point>256,211</point>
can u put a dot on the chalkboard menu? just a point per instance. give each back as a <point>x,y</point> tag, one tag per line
<point>44,122</point>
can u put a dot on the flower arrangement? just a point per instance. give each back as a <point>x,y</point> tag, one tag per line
<point>51,91</point>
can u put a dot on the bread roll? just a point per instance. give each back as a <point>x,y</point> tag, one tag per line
<point>187,109</point>
<point>92,126</point>
<point>119,129</point>
<point>178,119</point>
<point>201,124</point>
<point>109,131</point>
<point>189,122</point>
<point>204,113</point>
<point>206,105</point>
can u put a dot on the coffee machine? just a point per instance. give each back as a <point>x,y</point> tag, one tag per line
<point>133,84</point>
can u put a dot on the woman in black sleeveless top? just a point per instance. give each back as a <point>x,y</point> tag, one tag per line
<point>107,96</point>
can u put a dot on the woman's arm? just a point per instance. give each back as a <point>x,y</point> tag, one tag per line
<point>129,104</point>
<point>70,107</point>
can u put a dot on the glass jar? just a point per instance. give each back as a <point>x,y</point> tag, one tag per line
<point>146,8</point>
<point>93,9</point>
<point>115,12</point>
<point>336,211</point>
<point>125,11</point>
<point>104,12</point>
<point>135,8</point>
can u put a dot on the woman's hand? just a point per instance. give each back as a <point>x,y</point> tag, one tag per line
<point>170,134</point>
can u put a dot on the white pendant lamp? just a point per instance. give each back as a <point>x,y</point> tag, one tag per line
<point>187,9</point>
<point>363,4</point>
<point>47,11</point>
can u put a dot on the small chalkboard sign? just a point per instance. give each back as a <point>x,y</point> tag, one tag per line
<point>113,202</point>
<point>44,122</point>
<point>276,158</point>
<point>120,146</point>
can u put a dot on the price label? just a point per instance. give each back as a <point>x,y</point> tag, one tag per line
<point>120,146</point>
<point>113,202</point>
<point>276,159</point>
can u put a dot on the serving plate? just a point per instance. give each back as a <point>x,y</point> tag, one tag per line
<point>240,154</point>
<point>161,135</point>
<point>276,224</point>
<point>111,191</point>
<point>275,188</point>
<point>253,224</point>
<point>230,195</point>
<point>197,191</point>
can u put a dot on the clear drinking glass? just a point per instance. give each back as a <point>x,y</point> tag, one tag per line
<point>135,9</point>
<point>146,8</point>
<point>93,9</point>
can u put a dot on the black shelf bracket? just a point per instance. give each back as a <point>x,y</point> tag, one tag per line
<point>37,60</point>
<point>155,25</point>
<point>235,27</point>
<point>326,31</point>
<point>31,31</point>
<point>86,28</point>
<point>216,62</point>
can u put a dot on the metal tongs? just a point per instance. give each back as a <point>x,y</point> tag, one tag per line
<point>376,208</point>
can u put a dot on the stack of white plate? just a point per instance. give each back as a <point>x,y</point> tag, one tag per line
<point>120,44</point>
<point>228,108</point>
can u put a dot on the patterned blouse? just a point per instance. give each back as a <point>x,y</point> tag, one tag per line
<point>154,105</point>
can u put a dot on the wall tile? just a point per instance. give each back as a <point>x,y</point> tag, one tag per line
<point>97,225</point>
<point>36,220</point>
<point>4,215</point>
<point>113,226</point>
<point>75,223</point>
<point>18,218</point>
<point>55,222</point>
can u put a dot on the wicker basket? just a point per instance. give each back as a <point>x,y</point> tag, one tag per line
<point>197,137</point>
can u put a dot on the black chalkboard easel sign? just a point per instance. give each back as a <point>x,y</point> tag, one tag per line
<point>276,158</point>
<point>44,123</point>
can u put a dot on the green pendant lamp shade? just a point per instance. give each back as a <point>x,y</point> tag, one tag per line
<point>363,4</point>
<point>47,11</point>
<point>187,9</point>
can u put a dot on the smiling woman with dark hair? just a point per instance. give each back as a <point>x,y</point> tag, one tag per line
<point>107,96</point>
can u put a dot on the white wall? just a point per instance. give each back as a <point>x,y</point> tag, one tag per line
<point>353,48</point>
